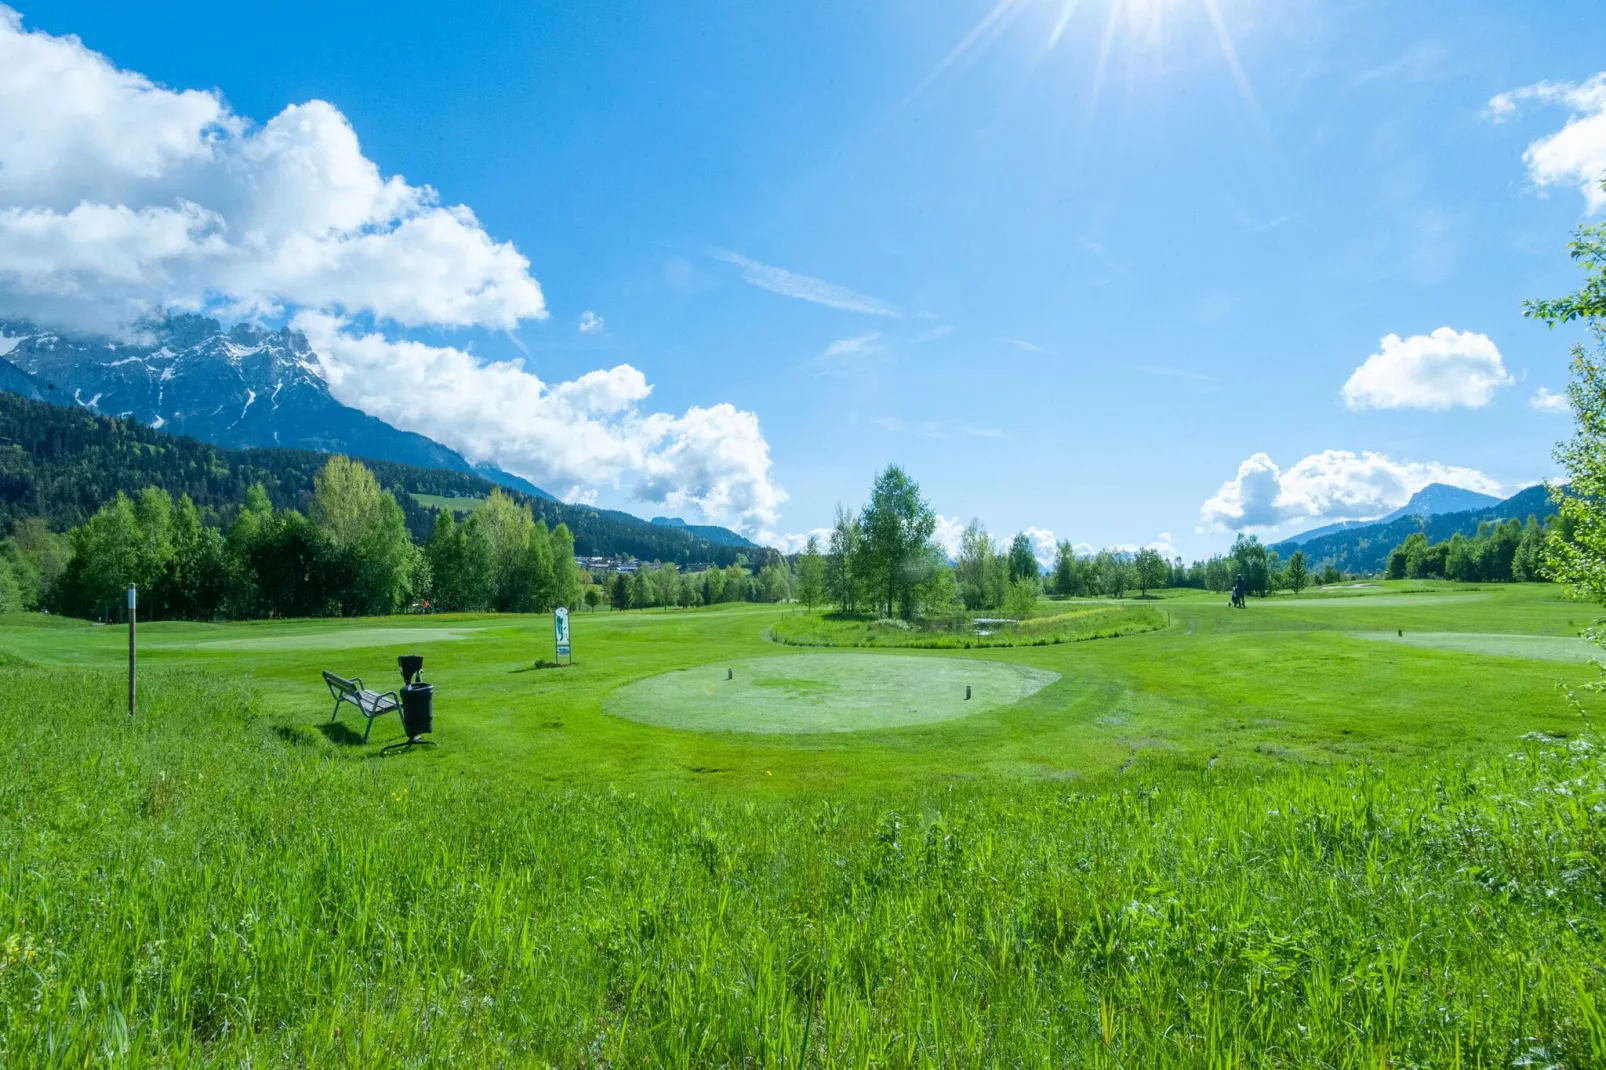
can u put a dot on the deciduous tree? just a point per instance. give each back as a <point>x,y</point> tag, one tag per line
<point>897,525</point>
<point>810,574</point>
<point>1149,570</point>
<point>1023,561</point>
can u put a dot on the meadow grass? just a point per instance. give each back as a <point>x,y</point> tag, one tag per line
<point>460,506</point>
<point>1247,839</point>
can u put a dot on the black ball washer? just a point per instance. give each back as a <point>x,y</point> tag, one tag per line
<point>417,703</point>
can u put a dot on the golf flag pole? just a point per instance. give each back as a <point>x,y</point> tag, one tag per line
<point>132,613</point>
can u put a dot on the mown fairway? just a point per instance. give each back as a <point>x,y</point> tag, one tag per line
<point>1282,835</point>
<point>1289,680</point>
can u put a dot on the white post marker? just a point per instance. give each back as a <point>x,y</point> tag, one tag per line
<point>560,630</point>
<point>132,612</point>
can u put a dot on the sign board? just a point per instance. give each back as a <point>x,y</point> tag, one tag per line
<point>131,596</point>
<point>560,627</point>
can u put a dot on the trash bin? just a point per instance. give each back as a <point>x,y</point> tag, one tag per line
<point>418,709</point>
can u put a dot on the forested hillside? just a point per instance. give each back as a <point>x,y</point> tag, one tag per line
<point>62,464</point>
<point>1366,549</point>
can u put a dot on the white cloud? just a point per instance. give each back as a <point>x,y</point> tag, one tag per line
<point>794,542</point>
<point>1164,544</point>
<point>1575,155</point>
<point>120,199</point>
<point>939,429</point>
<point>1043,545</point>
<point>1331,485</point>
<point>949,530</point>
<point>1023,345</point>
<point>1428,371</point>
<point>586,431</point>
<point>590,322</point>
<point>857,346</point>
<point>806,287</point>
<point>578,495</point>
<point>1546,400</point>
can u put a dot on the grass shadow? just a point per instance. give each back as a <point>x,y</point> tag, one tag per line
<point>295,735</point>
<point>340,733</point>
<point>543,663</point>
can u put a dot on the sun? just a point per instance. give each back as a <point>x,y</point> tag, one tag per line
<point>1141,21</point>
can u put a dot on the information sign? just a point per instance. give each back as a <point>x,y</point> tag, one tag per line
<point>560,627</point>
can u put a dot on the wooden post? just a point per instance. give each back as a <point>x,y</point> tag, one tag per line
<point>132,614</point>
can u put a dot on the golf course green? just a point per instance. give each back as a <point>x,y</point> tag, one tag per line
<point>1316,678</point>
<point>824,693</point>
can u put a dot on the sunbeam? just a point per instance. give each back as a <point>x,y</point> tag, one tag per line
<point>991,25</point>
<point>1064,20</point>
<point>1145,21</point>
<point>1111,21</point>
<point>1230,52</point>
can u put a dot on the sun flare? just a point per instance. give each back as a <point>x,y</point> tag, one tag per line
<point>1143,23</point>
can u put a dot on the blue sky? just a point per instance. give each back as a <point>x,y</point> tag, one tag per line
<point>1076,267</point>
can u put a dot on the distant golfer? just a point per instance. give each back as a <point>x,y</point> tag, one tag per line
<point>1238,592</point>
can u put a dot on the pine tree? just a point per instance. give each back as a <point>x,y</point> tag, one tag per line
<point>1297,575</point>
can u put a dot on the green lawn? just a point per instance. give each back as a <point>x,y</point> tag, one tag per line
<point>825,692</point>
<point>1287,680</point>
<point>459,506</point>
<point>1287,835</point>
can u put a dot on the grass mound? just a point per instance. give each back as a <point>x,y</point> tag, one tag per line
<point>1103,621</point>
<point>194,888</point>
<point>787,693</point>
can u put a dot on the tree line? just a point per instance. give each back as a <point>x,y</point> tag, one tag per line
<point>349,554</point>
<point>882,560</point>
<point>1504,552</point>
<point>61,464</point>
<point>665,586</point>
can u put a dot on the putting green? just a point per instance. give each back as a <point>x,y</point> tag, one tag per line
<point>1495,644</point>
<point>819,692</point>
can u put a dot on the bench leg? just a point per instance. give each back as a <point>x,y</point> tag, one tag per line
<point>336,712</point>
<point>370,728</point>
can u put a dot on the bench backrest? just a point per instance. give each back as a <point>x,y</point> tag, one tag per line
<point>339,683</point>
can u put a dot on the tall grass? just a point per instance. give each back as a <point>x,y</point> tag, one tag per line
<point>958,633</point>
<point>197,887</point>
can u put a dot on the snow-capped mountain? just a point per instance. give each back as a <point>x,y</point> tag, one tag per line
<point>244,387</point>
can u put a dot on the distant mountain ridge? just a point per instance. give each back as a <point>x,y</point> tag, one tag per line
<point>243,388</point>
<point>62,463</point>
<point>1438,498</point>
<point>1431,500</point>
<point>717,535</point>
<point>1365,547</point>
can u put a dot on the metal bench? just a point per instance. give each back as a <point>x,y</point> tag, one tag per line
<point>370,704</point>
